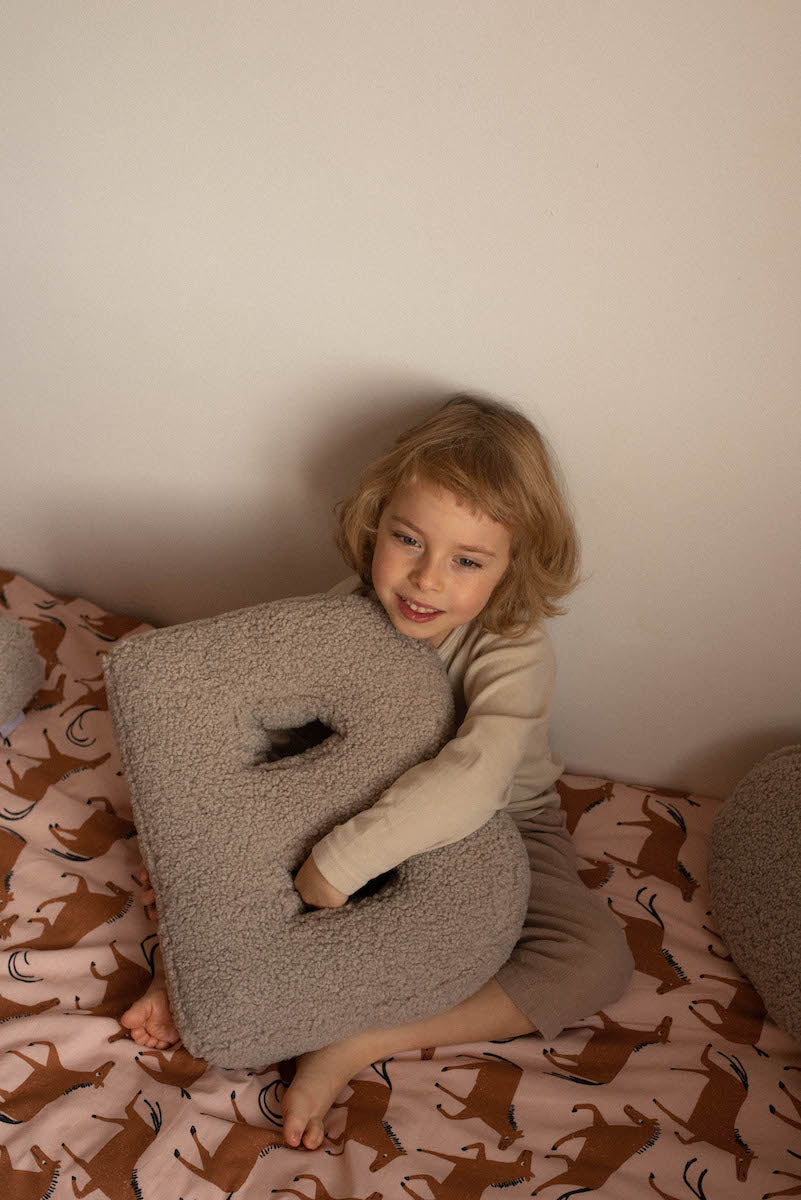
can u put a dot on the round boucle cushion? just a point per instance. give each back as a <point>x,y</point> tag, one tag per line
<point>225,821</point>
<point>22,671</point>
<point>754,873</point>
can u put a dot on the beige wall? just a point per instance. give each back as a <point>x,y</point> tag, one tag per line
<point>246,243</point>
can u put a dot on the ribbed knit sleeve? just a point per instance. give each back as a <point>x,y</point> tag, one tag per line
<point>508,686</point>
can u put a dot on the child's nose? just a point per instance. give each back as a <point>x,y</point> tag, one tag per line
<point>426,576</point>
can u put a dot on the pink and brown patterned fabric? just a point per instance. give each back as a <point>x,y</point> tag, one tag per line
<point>683,1088</point>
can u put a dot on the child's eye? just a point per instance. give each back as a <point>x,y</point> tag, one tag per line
<point>406,539</point>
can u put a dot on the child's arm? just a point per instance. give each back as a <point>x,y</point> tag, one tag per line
<point>508,687</point>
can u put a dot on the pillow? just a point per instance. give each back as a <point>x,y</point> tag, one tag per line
<point>754,870</point>
<point>226,817</point>
<point>22,672</point>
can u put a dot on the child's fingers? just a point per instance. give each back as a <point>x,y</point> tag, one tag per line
<point>142,877</point>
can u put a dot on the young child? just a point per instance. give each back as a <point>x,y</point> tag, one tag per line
<point>462,534</point>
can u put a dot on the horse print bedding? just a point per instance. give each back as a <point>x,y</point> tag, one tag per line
<point>684,1088</point>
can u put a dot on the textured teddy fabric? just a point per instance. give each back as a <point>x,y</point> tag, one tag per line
<point>23,671</point>
<point>754,870</point>
<point>253,975</point>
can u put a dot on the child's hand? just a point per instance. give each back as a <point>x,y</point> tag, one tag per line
<point>314,888</point>
<point>148,896</point>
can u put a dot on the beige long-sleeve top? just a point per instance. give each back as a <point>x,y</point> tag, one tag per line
<point>499,758</point>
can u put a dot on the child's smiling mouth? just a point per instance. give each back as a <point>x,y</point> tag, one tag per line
<point>417,612</point>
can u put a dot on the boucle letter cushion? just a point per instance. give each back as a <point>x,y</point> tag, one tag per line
<point>22,672</point>
<point>754,871</point>
<point>246,738</point>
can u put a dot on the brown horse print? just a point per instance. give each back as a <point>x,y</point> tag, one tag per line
<point>645,940</point>
<point>230,1164</point>
<point>713,1118</point>
<point>95,837</point>
<point>659,853</point>
<point>491,1097</point>
<point>110,627</point>
<point>127,978</point>
<point>321,1192</point>
<point>607,1051</point>
<point>48,634</point>
<point>12,844</point>
<point>741,1021</point>
<point>52,767</point>
<point>667,793</point>
<point>577,802</point>
<point>696,1191</point>
<point>176,1068</point>
<point>49,697</point>
<point>597,874</point>
<point>112,1169</point>
<point>471,1177</point>
<point>91,697</point>
<point>10,1010</point>
<point>366,1123</point>
<point>20,1184</point>
<point>46,1082</point>
<point>606,1147</point>
<point>83,911</point>
<point>794,1100</point>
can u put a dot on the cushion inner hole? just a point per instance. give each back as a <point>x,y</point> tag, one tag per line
<point>286,743</point>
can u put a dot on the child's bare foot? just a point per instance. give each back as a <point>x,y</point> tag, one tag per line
<point>319,1078</point>
<point>150,1020</point>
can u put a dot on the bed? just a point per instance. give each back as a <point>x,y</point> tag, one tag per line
<point>683,1088</point>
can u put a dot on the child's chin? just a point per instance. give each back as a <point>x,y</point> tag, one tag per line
<point>425,633</point>
<point>409,629</point>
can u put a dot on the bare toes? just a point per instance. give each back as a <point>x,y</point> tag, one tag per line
<point>303,1131</point>
<point>313,1137</point>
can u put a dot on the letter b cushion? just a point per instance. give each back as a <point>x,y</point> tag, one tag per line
<point>224,823</point>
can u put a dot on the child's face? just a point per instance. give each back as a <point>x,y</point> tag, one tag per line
<point>433,551</point>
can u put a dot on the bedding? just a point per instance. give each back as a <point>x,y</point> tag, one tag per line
<point>683,1088</point>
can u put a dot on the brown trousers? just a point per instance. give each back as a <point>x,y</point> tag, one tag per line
<point>572,958</point>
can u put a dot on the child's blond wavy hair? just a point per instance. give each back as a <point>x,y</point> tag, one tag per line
<point>493,459</point>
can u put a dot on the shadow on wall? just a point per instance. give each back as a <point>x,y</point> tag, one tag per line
<point>726,762</point>
<point>169,552</point>
<point>364,424</point>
